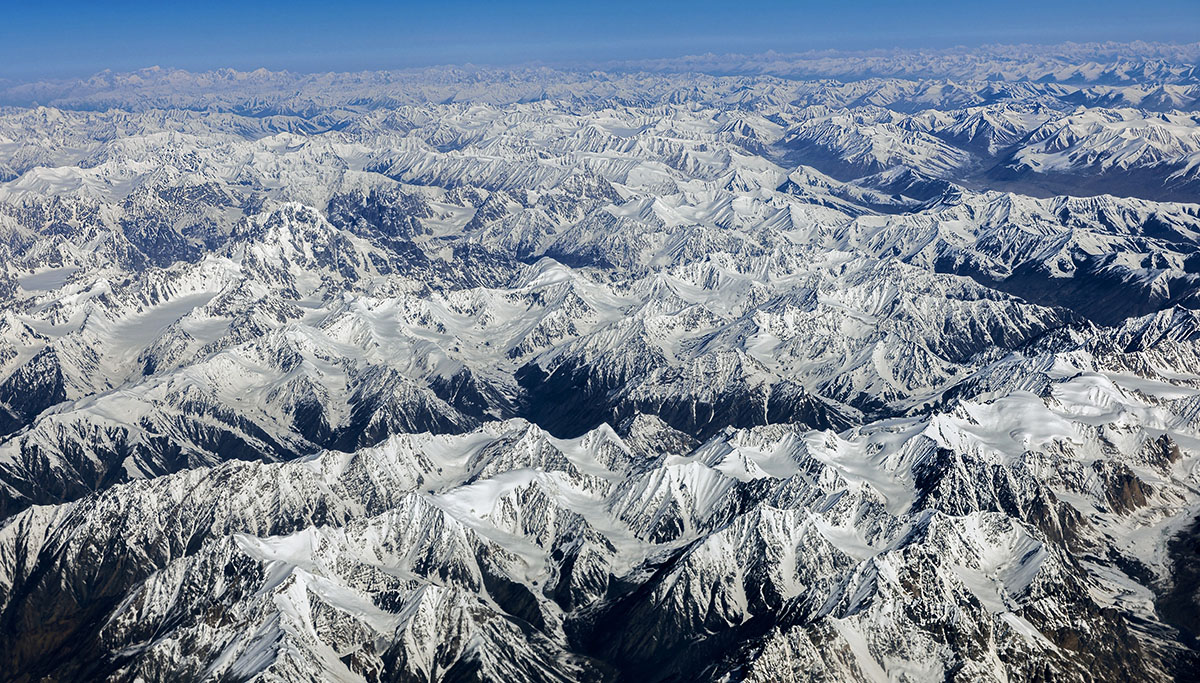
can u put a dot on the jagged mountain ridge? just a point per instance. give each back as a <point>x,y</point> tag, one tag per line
<point>530,551</point>
<point>577,385</point>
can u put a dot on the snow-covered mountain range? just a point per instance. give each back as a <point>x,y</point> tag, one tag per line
<point>809,367</point>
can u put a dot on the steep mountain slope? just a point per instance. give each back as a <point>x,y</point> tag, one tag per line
<point>1029,528</point>
<point>554,375</point>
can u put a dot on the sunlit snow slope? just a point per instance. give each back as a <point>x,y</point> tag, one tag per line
<point>822,368</point>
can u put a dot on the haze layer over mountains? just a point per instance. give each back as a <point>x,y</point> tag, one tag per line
<point>836,367</point>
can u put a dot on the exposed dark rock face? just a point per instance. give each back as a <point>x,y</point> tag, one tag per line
<point>554,375</point>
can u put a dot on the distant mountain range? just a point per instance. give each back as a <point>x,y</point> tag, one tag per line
<point>829,367</point>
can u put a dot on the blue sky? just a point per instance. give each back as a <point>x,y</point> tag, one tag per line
<point>67,38</point>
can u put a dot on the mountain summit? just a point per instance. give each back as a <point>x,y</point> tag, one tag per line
<point>809,368</point>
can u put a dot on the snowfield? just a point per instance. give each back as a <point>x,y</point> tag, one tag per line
<point>779,368</point>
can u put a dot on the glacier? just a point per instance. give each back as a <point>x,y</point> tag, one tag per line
<point>815,367</point>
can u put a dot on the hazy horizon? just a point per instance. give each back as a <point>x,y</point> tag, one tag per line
<point>73,39</point>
